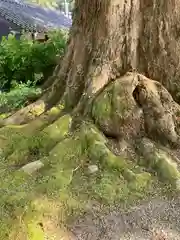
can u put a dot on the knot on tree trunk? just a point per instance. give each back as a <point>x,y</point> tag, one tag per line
<point>135,105</point>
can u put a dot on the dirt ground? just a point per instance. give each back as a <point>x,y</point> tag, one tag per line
<point>155,220</point>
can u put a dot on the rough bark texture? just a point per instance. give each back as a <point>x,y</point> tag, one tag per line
<point>159,42</point>
<point>109,38</point>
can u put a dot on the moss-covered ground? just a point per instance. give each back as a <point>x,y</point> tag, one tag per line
<point>61,190</point>
<point>39,205</point>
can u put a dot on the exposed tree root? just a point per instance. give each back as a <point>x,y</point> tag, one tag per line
<point>48,83</point>
<point>38,109</point>
<point>115,111</point>
<point>159,162</point>
<point>26,114</point>
<point>32,146</point>
<point>125,108</point>
<point>152,112</point>
<point>38,123</point>
<point>99,153</point>
<point>154,159</point>
<point>44,119</point>
<point>13,135</point>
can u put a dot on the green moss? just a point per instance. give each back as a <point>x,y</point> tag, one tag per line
<point>5,229</point>
<point>4,115</point>
<point>63,187</point>
<point>35,232</point>
<point>122,100</point>
<point>89,134</point>
<point>55,180</point>
<point>56,110</point>
<point>140,181</point>
<point>16,190</point>
<point>27,147</point>
<point>14,187</point>
<point>61,161</point>
<point>116,100</point>
<point>111,187</point>
<point>102,108</point>
<point>59,128</point>
<point>9,136</point>
<point>114,106</point>
<point>159,161</point>
<point>38,109</point>
<point>52,183</point>
<point>99,154</point>
<point>42,121</point>
<point>97,149</point>
<point>166,168</point>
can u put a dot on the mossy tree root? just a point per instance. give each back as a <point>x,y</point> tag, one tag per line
<point>160,162</point>
<point>32,146</point>
<point>156,161</point>
<point>67,155</point>
<point>25,114</point>
<point>31,112</point>
<point>13,135</point>
<point>98,152</point>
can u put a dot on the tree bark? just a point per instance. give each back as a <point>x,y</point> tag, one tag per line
<point>114,37</point>
<point>159,43</point>
<point>110,38</point>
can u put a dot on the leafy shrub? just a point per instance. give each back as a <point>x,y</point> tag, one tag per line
<point>17,97</point>
<point>23,61</point>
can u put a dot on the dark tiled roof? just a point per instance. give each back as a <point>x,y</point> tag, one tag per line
<point>32,17</point>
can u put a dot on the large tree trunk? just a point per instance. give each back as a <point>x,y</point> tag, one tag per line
<point>159,43</point>
<point>103,44</point>
<point>116,48</point>
<point>109,38</point>
<point>113,37</point>
<point>106,35</point>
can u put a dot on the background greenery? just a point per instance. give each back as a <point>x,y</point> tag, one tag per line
<point>54,3</point>
<point>22,60</point>
<point>25,65</point>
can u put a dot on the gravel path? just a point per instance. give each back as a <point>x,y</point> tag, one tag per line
<point>138,223</point>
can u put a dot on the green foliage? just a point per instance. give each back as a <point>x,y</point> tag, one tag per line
<point>53,3</point>
<point>24,61</point>
<point>17,97</point>
<point>44,3</point>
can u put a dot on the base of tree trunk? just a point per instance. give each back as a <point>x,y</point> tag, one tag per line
<point>130,141</point>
